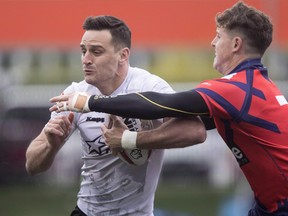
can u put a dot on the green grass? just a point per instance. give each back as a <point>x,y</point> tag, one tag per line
<point>198,199</point>
<point>42,200</point>
<point>37,200</point>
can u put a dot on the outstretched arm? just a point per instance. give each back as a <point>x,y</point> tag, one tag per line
<point>174,133</point>
<point>146,105</point>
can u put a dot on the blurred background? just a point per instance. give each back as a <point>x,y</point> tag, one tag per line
<point>40,56</point>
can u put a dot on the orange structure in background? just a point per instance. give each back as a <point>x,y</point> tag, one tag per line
<point>38,23</point>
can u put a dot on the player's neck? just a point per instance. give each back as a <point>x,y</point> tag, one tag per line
<point>113,84</point>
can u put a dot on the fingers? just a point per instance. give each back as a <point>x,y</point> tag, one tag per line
<point>105,133</point>
<point>59,98</point>
<point>71,117</point>
<point>115,151</point>
<point>77,102</point>
<point>112,135</point>
<point>59,126</point>
<point>59,107</point>
<point>104,129</point>
<point>51,129</point>
<point>114,118</point>
<point>61,103</point>
<point>116,122</point>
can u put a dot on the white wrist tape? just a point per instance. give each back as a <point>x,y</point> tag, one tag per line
<point>79,102</point>
<point>86,106</point>
<point>128,140</point>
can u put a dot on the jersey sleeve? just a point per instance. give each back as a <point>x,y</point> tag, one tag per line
<point>151,105</point>
<point>219,98</point>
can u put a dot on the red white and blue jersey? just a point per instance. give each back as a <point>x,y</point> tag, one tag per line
<point>251,115</point>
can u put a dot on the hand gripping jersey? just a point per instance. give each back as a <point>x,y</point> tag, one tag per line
<point>109,186</point>
<point>251,115</point>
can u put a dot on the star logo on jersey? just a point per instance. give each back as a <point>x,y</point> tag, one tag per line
<point>97,146</point>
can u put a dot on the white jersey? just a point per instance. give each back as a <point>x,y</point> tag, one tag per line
<point>109,186</point>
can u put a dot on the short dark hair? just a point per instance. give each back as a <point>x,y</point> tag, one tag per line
<point>253,24</point>
<point>120,32</point>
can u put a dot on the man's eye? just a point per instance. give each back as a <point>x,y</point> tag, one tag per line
<point>97,52</point>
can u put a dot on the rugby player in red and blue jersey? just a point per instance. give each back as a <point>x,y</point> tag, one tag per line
<point>245,106</point>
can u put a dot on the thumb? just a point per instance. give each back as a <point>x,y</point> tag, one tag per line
<point>113,121</point>
<point>103,128</point>
<point>71,117</point>
<point>114,118</point>
<point>116,121</point>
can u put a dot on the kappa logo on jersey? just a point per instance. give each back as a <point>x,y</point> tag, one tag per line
<point>96,119</point>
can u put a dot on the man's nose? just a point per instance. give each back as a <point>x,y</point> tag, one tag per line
<point>86,58</point>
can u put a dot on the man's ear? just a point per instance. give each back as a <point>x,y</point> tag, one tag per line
<point>124,55</point>
<point>237,43</point>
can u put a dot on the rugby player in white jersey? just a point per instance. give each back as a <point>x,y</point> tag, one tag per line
<point>109,186</point>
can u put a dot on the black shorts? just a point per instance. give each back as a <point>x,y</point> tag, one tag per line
<point>77,212</point>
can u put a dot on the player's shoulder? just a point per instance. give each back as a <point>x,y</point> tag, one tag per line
<point>220,81</point>
<point>140,73</point>
<point>144,79</point>
<point>136,72</point>
<point>81,86</point>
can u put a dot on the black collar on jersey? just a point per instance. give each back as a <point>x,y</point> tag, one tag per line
<point>248,64</point>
